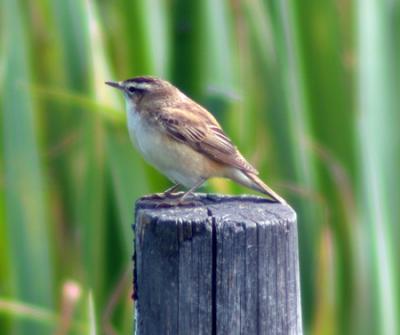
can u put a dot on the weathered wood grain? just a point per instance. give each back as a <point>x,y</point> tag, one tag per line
<point>228,265</point>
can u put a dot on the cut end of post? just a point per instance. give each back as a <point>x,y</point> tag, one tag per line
<point>208,201</point>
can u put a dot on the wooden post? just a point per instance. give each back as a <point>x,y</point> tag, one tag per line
<point>228,266</point>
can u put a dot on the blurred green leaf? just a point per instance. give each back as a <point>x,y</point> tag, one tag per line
<point>297,115</point>
<point>38,315</point>
<point>25,205</point>
<point>379,142</point>
<point>87,104</point>
<point>91,316</point>
<point>128,180</point>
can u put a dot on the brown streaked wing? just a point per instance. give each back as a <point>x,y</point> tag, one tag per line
<point>196,130</point>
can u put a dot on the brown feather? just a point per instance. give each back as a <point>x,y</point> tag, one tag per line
<point>193,125</point>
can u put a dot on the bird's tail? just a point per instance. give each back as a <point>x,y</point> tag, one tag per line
<point>251,180</point>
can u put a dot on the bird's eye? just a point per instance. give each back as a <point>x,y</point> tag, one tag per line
<point>135,90</point>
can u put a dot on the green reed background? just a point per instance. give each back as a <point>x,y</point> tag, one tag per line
<point>307,89</point>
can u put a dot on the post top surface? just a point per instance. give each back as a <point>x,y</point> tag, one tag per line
<point>227,207</point>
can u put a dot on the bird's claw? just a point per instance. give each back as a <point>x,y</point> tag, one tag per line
<point>164,195</point>
<point>154,196</point>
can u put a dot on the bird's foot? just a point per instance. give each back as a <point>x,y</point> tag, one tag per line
<point>181,201</point>
<point>154,196</point>
<point>166,194</point>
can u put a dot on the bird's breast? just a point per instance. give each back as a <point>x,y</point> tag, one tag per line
<point>144,136</point>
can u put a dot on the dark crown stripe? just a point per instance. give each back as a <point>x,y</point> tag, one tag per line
<point>144,80</point>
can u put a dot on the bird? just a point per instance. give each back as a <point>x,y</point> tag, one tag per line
<point>181,139</point>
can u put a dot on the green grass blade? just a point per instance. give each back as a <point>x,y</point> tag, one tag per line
<point>91,315</point>
<point>145,26</point>
<point>35,314</point>
<point>156,30</point>
<point>91,206</point>
<point>25,209</point>
<point>127,177</point>
<point>88,104</point>
<point>297,127</point>
<point>74,23</point>
<point>6,280</point>
<point>324,50</point>
<point>128,180</point>
<point>71,27</point>
<point>127,174</point>
<point>379,142</point>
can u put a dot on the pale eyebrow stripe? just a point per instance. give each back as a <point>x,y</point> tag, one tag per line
<point>140,86</point>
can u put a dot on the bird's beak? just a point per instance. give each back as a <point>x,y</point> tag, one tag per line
<point>115,84</point>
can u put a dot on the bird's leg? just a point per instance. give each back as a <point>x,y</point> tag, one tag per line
<point>164,194</point>
<point>181,200</point>
<point>169,191</point>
